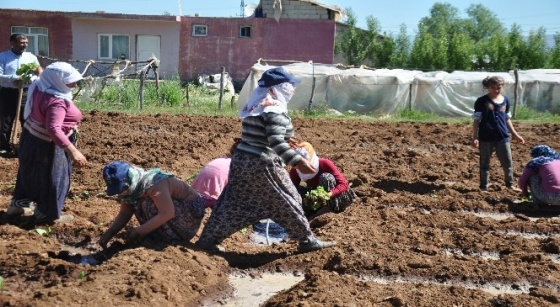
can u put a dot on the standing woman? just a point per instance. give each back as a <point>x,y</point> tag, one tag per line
<point>47,145</point>
<point>491,128</point>
<point>259,186</point>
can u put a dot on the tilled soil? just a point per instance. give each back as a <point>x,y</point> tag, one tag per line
<point>420,234</point>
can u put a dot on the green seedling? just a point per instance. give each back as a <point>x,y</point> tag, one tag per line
<point>42,231</point>
<point>317,198</point>
<point>26,71</point>
<point>81,275</point>
<point>1,283</point>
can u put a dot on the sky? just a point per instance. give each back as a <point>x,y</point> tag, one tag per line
<point>529,14</point>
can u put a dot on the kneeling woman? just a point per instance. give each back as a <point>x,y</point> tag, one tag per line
<point>163,204</point>
<point>327,176</point>
<point>542,176</point>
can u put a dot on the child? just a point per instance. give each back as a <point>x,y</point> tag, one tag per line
<point>163,204</point>
<point>326,175</point>
<point>491,128</point>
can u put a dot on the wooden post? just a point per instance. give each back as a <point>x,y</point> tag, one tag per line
<point>187,93</point>
<point>312,87</point>
<point>410,97</point>
<point>222,74</point>
<point>141,92</point>
<point>516,93</point>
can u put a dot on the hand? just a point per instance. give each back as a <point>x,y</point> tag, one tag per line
<point>519,138</point>
<point>18,83</point>
<point>475,143</point>
<point>105,238</point>
<point>79,159</point>
<point>293,143</point>
<point>133,236</point>
<point>305,167</point>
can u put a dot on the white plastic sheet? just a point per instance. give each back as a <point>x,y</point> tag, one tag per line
<point>383,92</point>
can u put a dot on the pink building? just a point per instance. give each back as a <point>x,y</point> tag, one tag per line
<point>186,46</point>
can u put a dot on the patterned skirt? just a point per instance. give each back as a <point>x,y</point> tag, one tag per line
<point>539,196</point>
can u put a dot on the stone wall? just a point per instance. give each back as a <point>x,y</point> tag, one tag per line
<point>296,9</point>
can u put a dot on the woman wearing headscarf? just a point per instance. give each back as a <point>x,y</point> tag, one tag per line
<point>542,176</point>
<point>163,204</point>
<point>47,148</point>
<point>259,186</point>
<point>327,176</point>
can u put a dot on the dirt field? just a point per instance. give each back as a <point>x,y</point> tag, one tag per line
<point>420,234</point>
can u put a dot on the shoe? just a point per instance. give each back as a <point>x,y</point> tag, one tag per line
<point>308,246</point>
<point>514,188</point>
<point>20,207</point>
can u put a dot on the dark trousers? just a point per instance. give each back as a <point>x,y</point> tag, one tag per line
<point>8,107</point>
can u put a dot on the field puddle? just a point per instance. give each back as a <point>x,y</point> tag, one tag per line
<point>493,288</point>
<point>250,290</point>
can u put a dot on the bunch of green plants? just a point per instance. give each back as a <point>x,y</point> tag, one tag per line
<point>317,198</point>
<point>26,72</point>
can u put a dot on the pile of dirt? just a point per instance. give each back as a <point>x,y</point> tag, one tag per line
<point>420,234</point>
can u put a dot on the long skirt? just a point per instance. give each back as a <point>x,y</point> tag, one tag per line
<point>539,196</point>
<point>182,227</point>
<point>43,176</point>
<point>256,190</point>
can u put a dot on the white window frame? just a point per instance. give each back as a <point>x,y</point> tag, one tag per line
<point>33,36</point>
<point>200,30</point>
<point>243,31</point>
<point>110,56</point>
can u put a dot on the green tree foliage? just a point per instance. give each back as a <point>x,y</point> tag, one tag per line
<point>461,50</point>
<point>399,57</point>
<point>441,15</point>
<point>423,48</point>
<point>516,47</point>
<point>373,49</point>
<point>352,43</point>
<point>535,51</point>
<point>554,55</point>
<point>482,23</point>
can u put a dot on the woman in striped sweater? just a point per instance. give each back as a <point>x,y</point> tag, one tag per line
<point>259,186</point>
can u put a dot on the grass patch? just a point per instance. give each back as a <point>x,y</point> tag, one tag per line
<point>171,98</point>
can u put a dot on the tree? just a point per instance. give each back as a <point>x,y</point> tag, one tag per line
<point>422,53</point>
<point>372,40</point>
<point>399,57</point>
<point>461,50</point>
<point>441,15</point>
<point>482,23</point>
<point>497,49</point>
<point>516,47</point>
<point>554,55</point>
<point>351,44</point>
<point>535,50</point>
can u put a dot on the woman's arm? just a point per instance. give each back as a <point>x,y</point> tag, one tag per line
<point>161,196</point>
<point>342,185</point>
<point>125,214</point>
<point>523,181</point>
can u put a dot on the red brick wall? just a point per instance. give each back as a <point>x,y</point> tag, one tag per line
<point>59,26</point>
<point>290,39</point>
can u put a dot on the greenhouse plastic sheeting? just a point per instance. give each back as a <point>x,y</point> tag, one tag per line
<point>383,92</point>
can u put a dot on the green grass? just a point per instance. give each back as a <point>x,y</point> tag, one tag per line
<point>172,99</point>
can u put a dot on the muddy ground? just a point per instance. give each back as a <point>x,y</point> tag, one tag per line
<point>420,234</point>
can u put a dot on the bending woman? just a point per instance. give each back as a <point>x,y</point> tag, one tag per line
<point>163,204</point>
<point>542,176</point>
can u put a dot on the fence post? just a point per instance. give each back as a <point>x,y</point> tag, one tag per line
<point>312,88</point>
<point>410,96</point>
<point>515,93</point>
<point>222,73</point>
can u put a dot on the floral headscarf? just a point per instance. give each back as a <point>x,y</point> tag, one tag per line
<point>542,154</point>
<point>268,99</point>
<point>308,152</point>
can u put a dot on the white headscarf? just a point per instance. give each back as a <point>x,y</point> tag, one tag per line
<point>308,152</point>
<point>53,80</point>
<point>268,99</point>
